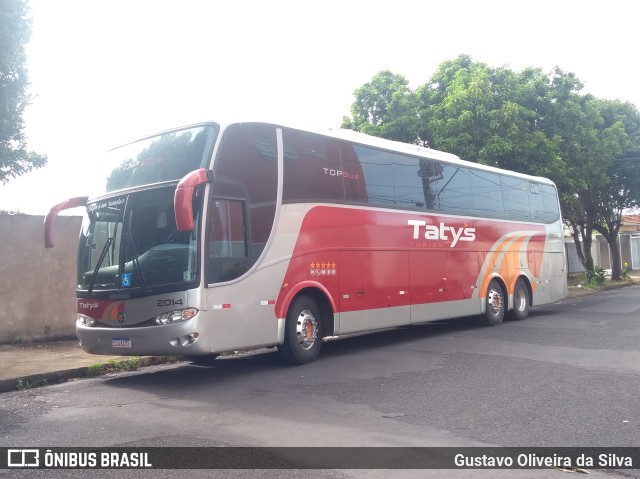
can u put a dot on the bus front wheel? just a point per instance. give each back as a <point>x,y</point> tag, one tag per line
<point>303,332</point>
<point>495,304</point>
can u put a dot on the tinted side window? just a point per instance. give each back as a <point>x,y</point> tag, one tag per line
<point>487,194</point>
<point>515,194</point>
<point>355,189</point>
<point>409,184</point>
<point>550,196</point>
<point>378,175</point>
<point>312,168</point>
<point>228,252</point>
<point>454,190</point>
<point>536,203</point>
<point>430,175</point>
<point>245,170</point>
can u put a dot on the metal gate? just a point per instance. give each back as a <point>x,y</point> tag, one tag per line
<point>635,252</point>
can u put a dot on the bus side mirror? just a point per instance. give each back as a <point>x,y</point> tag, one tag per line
<point>183,199</point>
<point>53,212</point>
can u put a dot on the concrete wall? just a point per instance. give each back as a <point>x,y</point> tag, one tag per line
<point>601,254</point>
<point>605,254</point>
<point>37,289</point>
<point>574,264</point>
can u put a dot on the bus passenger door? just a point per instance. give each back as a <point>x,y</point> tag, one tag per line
<point>353,293</point>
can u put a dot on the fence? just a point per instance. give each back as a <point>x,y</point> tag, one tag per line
<point>629,252</point>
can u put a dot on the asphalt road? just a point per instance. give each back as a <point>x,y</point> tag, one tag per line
<point>567,376</point>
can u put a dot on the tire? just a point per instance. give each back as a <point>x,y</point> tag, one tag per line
<point>204,360</point>
<point>494,304</point>
<point>303,332</point>
<point>521,301</point>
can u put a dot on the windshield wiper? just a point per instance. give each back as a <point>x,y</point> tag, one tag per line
<point>134,257</point>
<point>103,253</point>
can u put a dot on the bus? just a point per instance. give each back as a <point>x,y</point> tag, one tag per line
<point>220,237</point>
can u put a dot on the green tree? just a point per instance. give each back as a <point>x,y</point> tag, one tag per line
<point>527,121</point>
<point>385,107</point>
<point>620,193</point>
<point>599,137</point>
<point>15,31</point>
<point>573,119</point>
<point>620,190</point>
<point>489,116</point>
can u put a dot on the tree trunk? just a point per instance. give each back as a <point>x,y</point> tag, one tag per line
<point>616,263</point>
<point>609,228</point>
<point>582,240</point>
<point>588,258</point>
<point>576,241</point>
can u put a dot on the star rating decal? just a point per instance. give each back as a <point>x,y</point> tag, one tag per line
<point>325,268</point>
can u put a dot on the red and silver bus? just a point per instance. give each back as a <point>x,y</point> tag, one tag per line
<point>219,237</point>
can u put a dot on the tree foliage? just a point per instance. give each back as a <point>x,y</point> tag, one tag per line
<point>529,121</point>
<point>603,170</point>
<point>491,116</point>
<point>15,31</point>
<point>385,107</point>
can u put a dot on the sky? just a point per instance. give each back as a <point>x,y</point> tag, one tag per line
<point>104,73</point>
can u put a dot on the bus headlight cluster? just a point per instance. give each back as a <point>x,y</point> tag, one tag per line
<point>176,316</point>
<point>85,320</point>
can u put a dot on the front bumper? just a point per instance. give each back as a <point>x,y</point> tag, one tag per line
<point>162,340</point>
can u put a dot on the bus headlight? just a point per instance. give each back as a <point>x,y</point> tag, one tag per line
<point>176,316</point>
<point>85,320</point>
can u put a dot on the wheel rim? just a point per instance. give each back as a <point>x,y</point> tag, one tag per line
<point>306,329</point>
<point>494,302</point>
<point>520,300</point>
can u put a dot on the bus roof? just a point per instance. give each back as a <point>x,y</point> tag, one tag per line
<point>395,146</point>
<point>368,140</point>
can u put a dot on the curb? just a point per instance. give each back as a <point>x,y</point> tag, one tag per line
<point>584,290</point>
<point>56,377</point>
<point>618,286</point>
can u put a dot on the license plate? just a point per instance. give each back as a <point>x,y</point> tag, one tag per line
<point>120,343</point>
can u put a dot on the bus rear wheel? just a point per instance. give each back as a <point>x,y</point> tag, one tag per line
<point>521,302</point>
<point>495,304</point>
<point>303,332</point>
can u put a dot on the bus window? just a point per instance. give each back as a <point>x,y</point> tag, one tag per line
<point>355,189</point>
<point>166,157</point>
<point>246,170</point>
<point>516,198</point>
<point>487,194</point>
<point>408,183</point>
<point>228,252</point>
<point>378,175</point>
<point>550,197</point>
<point>454,190</point>
<point>312,169</point>
<point>536,202</point>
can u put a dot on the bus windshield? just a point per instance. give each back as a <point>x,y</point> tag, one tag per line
<point>166,157</point>
<point>131,242</point>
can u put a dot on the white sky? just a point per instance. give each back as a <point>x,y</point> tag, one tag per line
<point>106,72</point>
